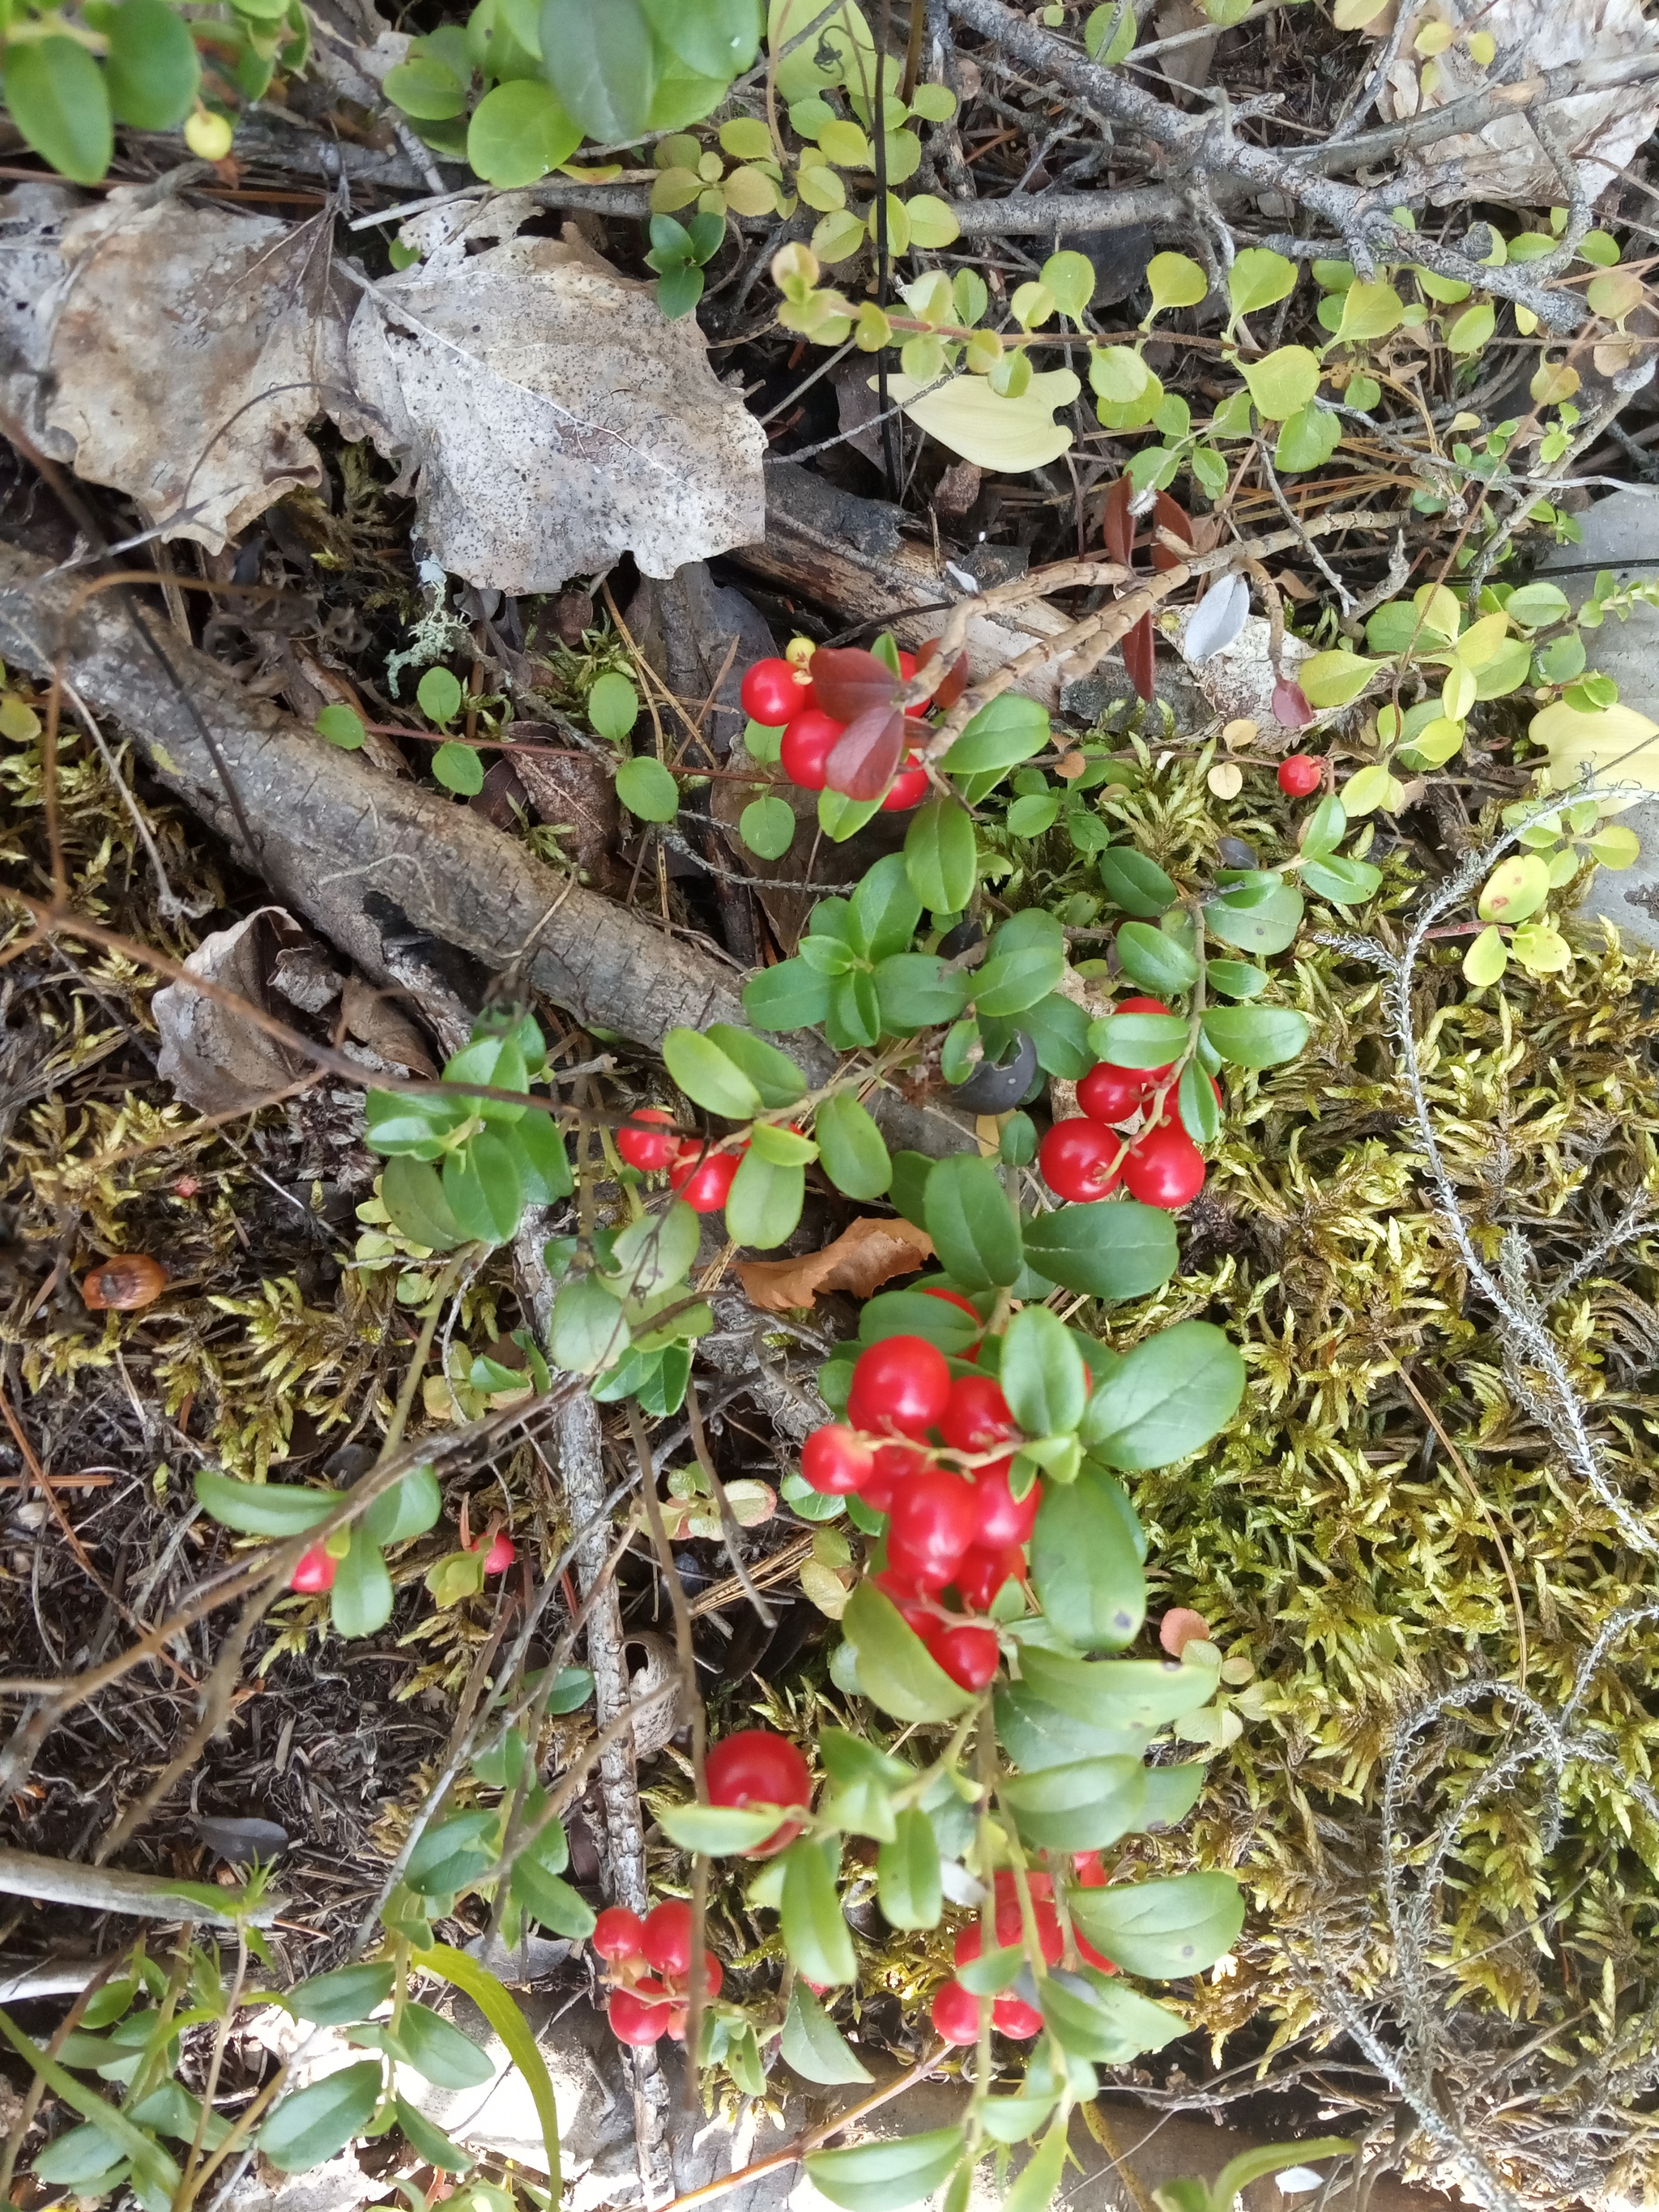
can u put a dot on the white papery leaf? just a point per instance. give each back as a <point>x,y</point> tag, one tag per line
<point>1217,619</point>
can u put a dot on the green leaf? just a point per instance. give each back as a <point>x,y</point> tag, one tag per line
<point>430,91</point>
<point>710,1075</point>
<point>409,1508</point>
<point>1471,329</point>
<point>338,724</point>
<point>1025,962</point>
<point>974,1229</point>
<point>342,1998</point>
<point>645,788</point>
<point>813,2045</point>
<point>498,1064</point>
<point>1236,979</point>
<point>588,1332</point>
<point>914,1313</point>
<point>1119,1250</point>
<point>603,64</point>
<point>543,1162</point>
<point>1307,438</point>
<point>412,1193</point>
<point>655,1251</point>
<point>790,996</point>
<point>1269,2157</point>
<point>1165,1398</point>
<point>773,1073</point>
<point>497,2005</point>
<point>907,1872</point>
<point>361,1598</point>
<point>1536,604</point>
<point>851,1148</point>
<point>1060,1031</point>
<point>613,704</point>
<point>764,1203</point>
<point>1332,678</point>
<point>719,1830</point>
<point>519,131</point>
<point>884,2177</point>
<point>1174,280</point>
<point>1137,884</point>
<point>85,2159</point>
<point>440,2053</point>
<point>1256,1037</point>
<point>430,2142</point>
<point>1038,2179</point>
<point>554,1902</point>
<point>439,693</point>
<point>1096,2017</point>
<point>1259,278</point>
<point>1200,1111</point>
<point>459,769</point>
<point>55,92</point>
<point>1041,1373</point>
<point>940,857</point>
<point>1082,1807</point>
<point>894,1667</point>
<point>454,1854</point>
<point>713,38</point>
<point>1343,881</point>
<point>1163,1929</point>
<point>261,1509</point>
<point>483,1187</point>
<point>1139,1040</point>
<point>397,1121</point>
<point>1085,1566</point>
<point>918,990</point>
<point>1259,918</point>
<point>151,70</point>
<point>884,911</point>
<point>767,826</point>
<point>815,1931</point>
<point>307,2128</point>
<point>1281,382</point>
<point>1155,961</point>
<point>1007,730</point>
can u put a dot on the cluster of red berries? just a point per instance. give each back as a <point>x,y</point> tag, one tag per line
<point>649,1140</point>
<point>779,694</point>
<point>318,1567</point>
<point>647,2005</point>
<point>949,1525</point>
<point>1085,1159</point>
<point>956,2010</point>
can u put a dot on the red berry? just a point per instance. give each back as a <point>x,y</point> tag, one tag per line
<point>706,1184</point>
<point>955,2014</point>
<point>657,1146</point>
<point>713,1974</point>
<point>1079,1160</point>
<point>1006,1884</point>
<point>982,1574</point>
<point>1010,1922</point>
<point>1164,1167</point>
<point>500,1556</point>
<point>1087,1951</point>
<point>1300,775</point>
<point>953,1298</point>
<point>676,2026</point>
<point>970,1655</point>
<point>618,1934</point>
<point>909,788</point>
<point>1090,1875</point>
<point>1012,2016</point>
<point>976,1417</point>
<point>1141,1006</point>
<point>892,1464</point>
<point>666,1942</point>
<point>835,1460</point>
<point>806,745</point>
<point>902,1382</point>
<point>901,1592</point>
<point>772,691</point>
<point>1112,1094</point>
<point>1006,1521</point>
<point>935,1519</point>
<point>755,1767</point>
<point>633,2018</point>
<point>314,1572</point>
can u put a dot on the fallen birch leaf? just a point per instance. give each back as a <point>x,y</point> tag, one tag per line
<point>866,1254</point>
<point>548,417</point>
<point>391,1038</point>
<point>214,1058</point>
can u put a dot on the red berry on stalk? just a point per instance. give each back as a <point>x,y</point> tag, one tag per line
<point>1164,1167</point>
<point>1090,1875</point>
<point>657,1146</point>
<point>1300,775</point>
<point>969,1655</point>
<point>1006,1521</point>
<point>1112,1094</point>
<point>314,1573</point>
<point>1010,1922</point>
<point>755,1767</point>
<point>901,1382</point>
<point>1079,1160</point>
<point>892,1464</point>
<point>955,2014</point>
<point>953,1298</point>
<point>983,1572</point>
<point>1141,1006</point>
<point>976,1417</point>
<point>501,1555</point>
<point>806,745</point>
<point>933,1520</point>
<point>618,1934</point>
<point>772,691</point>
<point>633,2018</point>
<point>706,1184</point>
<point>1013,2017</point>
<point>676,2027</point>
<point>907,789</point>
<point>667,1937</point>
<point>835,1461</point>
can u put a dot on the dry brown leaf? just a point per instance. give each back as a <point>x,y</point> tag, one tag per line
<point>866,1254</point>
<point>216,1059</point>
<point>390,1036</point>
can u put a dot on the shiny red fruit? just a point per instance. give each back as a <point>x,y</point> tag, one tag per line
<point>1141,1006</point>
<point>982,1574</point>
<point>1006,1521</point>
<point>714,1975</point>
<point>976,1417</point>
<point>618,1934</point>
<point>901,1382</point>
<point>970,1655</point>
<point>657,1146</point>
<point>666,1940</point>
<point>772,691</point>
<point>900,1593</point>
<point>893,1464</point>
<point>1087,1952</point>
<point>834,1460</point>
<point>1164,1167</point>
<point>806,745</point>
<point>1079,1160</point>
<point>1112,1094</point>
<point>1300,775</point>
<point>1013,2017</point>
<point>675,2030</point>
<point>933,1520</point>
<point>955,2014</point>
<point>755,1767</point>
<point>500,1556</point>
<point>1006,1888</point>
<point>314,1573</point>
<point>633,2020</point>
<point>954,1299</point>
<point>1010,1922</point>
<point>907,789</point>
<point>706,1184</point>
<point>1090,1875</point>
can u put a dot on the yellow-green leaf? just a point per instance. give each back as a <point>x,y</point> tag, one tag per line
<point>1010,436</point>
<point>1515,888</point>
<point>1282,382</point>
<point>1486,960</point>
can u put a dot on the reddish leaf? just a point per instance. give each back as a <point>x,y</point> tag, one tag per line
<point>1169,515</point>
<point>847,683</point>
<point>866,753</point>
<point>1138,659</point>
<point>953,683</point>
<point>1290,708</point>
<point>1117,526</point>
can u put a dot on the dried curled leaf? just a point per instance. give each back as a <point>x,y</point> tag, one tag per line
<point>867,1254</point>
